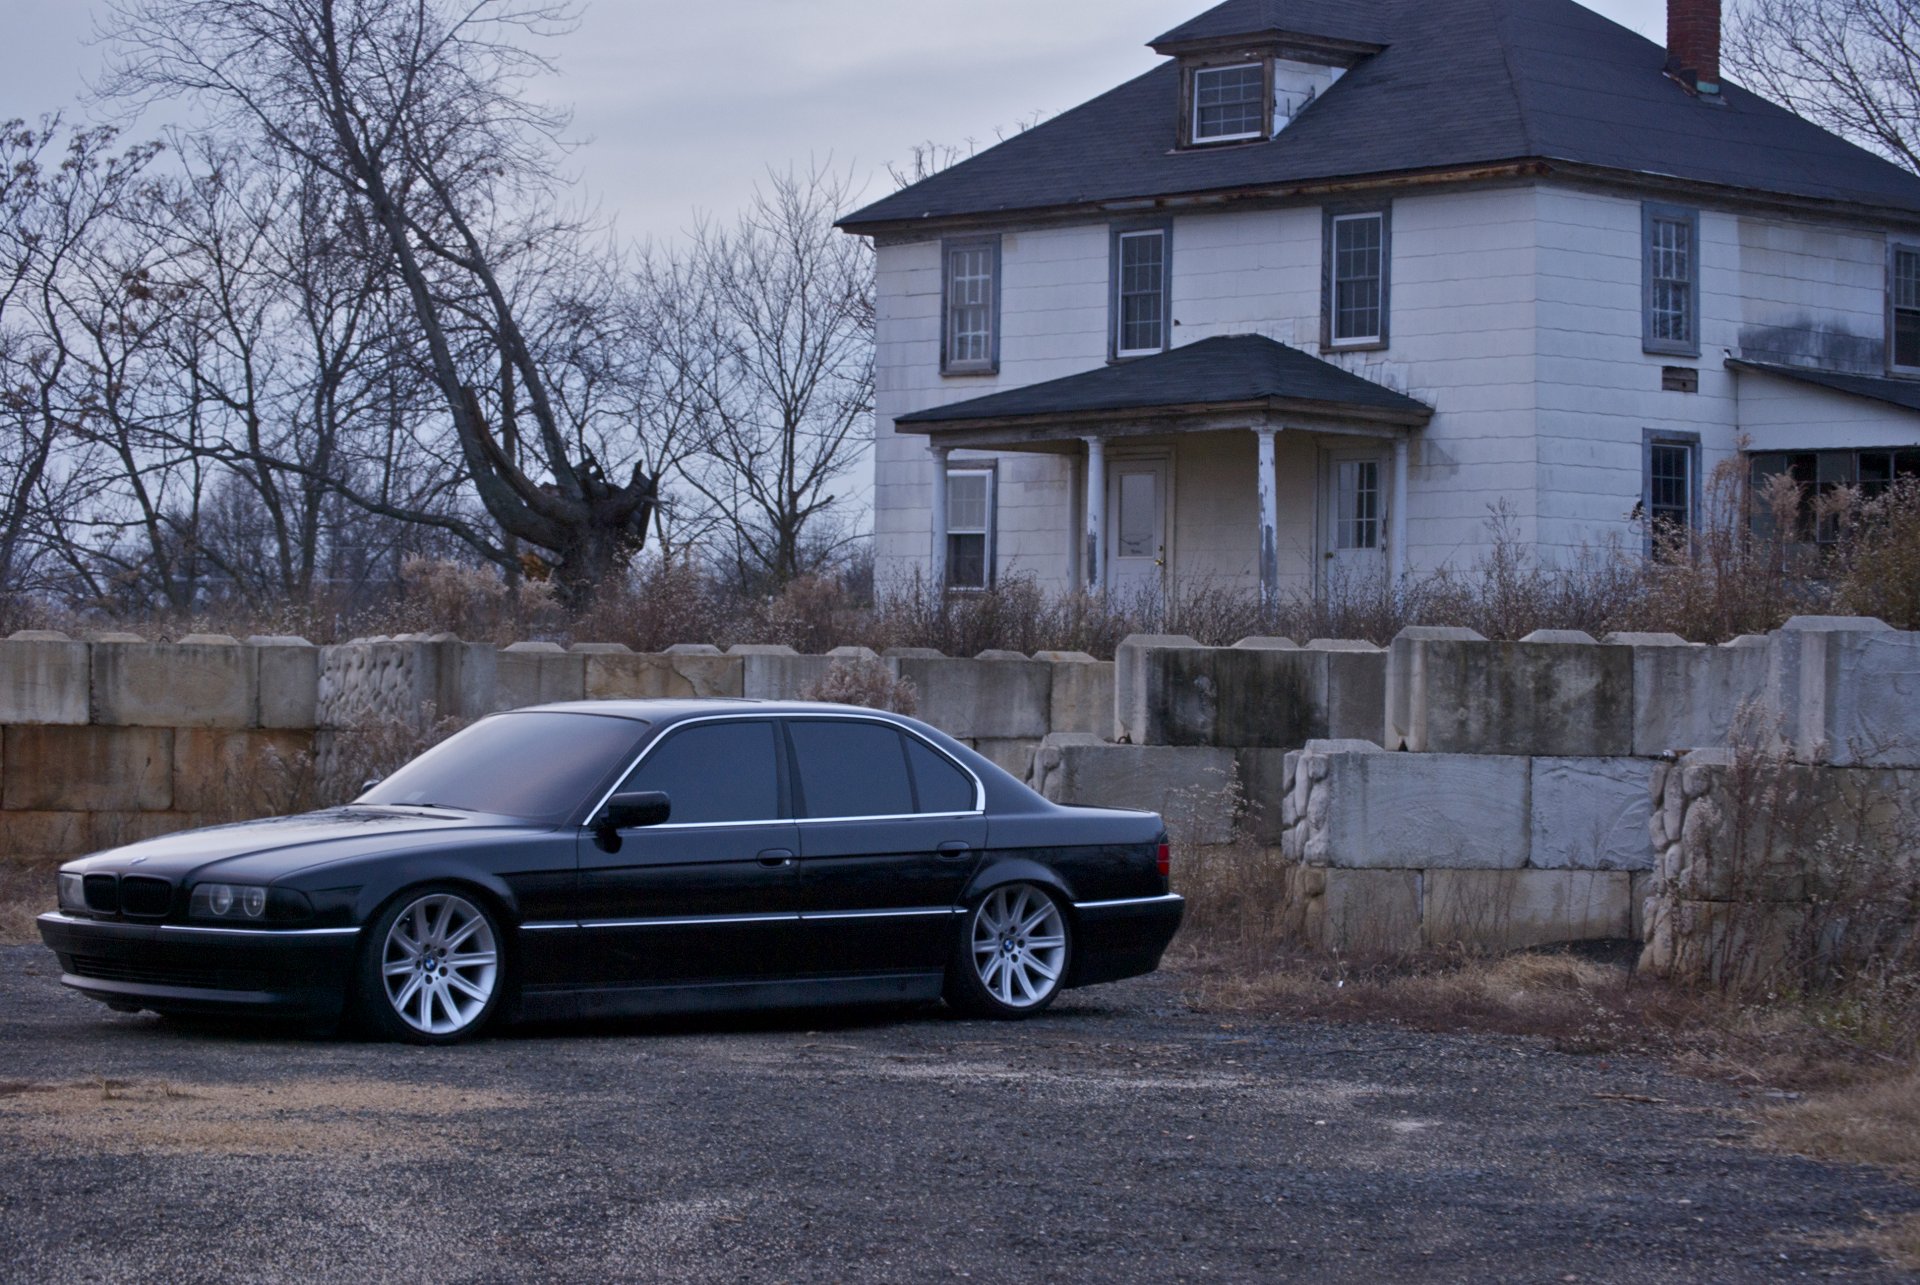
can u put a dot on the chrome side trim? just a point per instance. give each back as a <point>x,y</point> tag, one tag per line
<point>761,716</point>
<point>927,913</point>
<point>57,917</point>
<point>548,927</point>
<point>696,921</point>
<point>1164,900</point>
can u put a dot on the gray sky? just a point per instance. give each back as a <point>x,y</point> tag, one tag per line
<point>683,106</point>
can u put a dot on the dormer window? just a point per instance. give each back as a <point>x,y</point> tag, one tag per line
<point>1229,103</point>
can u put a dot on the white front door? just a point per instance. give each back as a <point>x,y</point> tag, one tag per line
<point>1355,538</point>
<point>1137,495</point>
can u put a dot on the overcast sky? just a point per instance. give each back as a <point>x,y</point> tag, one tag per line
<point>682,106</point>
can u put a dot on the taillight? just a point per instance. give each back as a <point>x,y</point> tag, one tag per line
<point>1164,859</point>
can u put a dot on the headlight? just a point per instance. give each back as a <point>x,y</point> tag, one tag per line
<point>248,903</point>
<point>227,901</point>
<point>73,892</point>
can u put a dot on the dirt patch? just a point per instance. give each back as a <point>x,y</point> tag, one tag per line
<point>145,1117</point>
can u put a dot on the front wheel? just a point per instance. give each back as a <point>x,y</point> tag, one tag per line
<point>1012,954</point>
<point>432,968</point>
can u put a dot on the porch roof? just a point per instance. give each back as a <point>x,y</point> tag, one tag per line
<point>1904,393</point>
<point>1198,383</point>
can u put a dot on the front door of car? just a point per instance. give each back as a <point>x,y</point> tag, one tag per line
<point>890,832</point>
<point>710,895</point>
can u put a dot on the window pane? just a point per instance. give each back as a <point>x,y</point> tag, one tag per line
<point>1906,308</point>
<point>970,305</point>
<point>966,501</point>
<point>966,561</point>
<point>1139,516</point>
<point>851,769</point>
<point>1670,484</point>
<point>714,772</point>
<point>1143,276</point>
<point>1357,504</point>
<point>942,787</point>
<point>1358,244</point>
<point>486,767</point>
<point>1670,268</point>
<point>1228,102</point>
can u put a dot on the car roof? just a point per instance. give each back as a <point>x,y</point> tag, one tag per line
<point>677,709</point>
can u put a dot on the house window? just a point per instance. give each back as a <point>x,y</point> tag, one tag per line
<point>970,343</point>
<point>1141,296</point>
<point>1357,257</point>
<point>1229,103</point>
<point>970,528</point>
<point>1671,323</point>
<point>1670,495</point>
<point>1817,475</point>
<point>1903,306</point>
<point>1356,498</point>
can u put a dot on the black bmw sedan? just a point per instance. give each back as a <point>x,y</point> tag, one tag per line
<point>632,857</point>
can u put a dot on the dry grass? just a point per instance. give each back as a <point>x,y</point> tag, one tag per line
<point>1877,1122</point>
<point>26,890</point>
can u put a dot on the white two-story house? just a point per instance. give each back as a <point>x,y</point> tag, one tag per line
<point>1308,298</point>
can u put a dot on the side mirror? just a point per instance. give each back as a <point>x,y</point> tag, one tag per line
<point>635,810</point>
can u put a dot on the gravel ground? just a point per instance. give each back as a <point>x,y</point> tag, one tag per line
<point>1120,1137</point>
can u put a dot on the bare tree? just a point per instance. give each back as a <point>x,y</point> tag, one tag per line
<point>782,305</point>
<point>414,110</point>
<point>1851,66</point>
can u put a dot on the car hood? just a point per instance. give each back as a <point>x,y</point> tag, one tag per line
<point>281,846</point>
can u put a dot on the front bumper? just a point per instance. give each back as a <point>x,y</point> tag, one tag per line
<point>1117,939</point>
<point>178,968</point>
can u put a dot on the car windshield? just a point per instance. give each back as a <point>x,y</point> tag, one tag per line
<point>537,765</point>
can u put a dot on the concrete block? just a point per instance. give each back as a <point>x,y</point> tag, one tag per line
<point>1081,696</point>
<point>1592,814</point>
<point>694,649</point>
<point>289,681</point>
<point>408,682</point>
<point>1259,643</point>
<point>1238,696</point>
<point>600,649</point>
<point>780,673</point>
<point>204,684</point>
<point>1265,777</point>
<point>1470,696</point>
<point>1195,790</point>
<point>88,769</point>
<point>1015,758</point>
<point>1367,809</point>
<point>239,774</point>
<point>42,836</point>
<point>913,653</point>
<point>1002,700</point>
<point>1856,701</point>
<point>1356,688</point>
<point>1516,909</point>
<point>1129,681</point>
<point>1368,912</point>
<point>1406,660</point>
<point>530,673</point>
<point>1640,893</point>
<point>107,830</point>
<point>674,674</point>
<point>1687,696</point>
<point>43,679</point>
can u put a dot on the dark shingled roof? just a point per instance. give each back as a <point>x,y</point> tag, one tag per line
<point>1904,393</point>
<point>1231,370</point>
<point>1460,83</point>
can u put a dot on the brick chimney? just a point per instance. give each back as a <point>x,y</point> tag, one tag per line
<point>1693,44</point>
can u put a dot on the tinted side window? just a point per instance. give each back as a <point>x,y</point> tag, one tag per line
<point>942,787</point>
<point>851,769</point>
<point>715,772</point>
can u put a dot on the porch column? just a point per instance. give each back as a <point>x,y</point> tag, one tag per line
<point>1269,522</point>
<point>1397,517</point>
<point>938,568</point>
<point>1096,565</point>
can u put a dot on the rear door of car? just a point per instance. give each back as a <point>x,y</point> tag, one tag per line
<point>890,832</point>
<point>711,895</point>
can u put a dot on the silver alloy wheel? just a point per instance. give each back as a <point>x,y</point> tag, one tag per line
<point>440,964</point>
<point>1019,945</point>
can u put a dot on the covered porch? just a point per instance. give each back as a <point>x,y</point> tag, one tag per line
<point>1212,412</point>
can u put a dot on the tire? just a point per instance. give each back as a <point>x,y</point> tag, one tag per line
<point>1011,954</point>
<point>432,967</point>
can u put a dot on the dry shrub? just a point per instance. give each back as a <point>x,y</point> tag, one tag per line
<point>866,682</point>
<point>334,771</point>
<point>1882,558</point>
<point>665,602</point>
<point>477,603</point>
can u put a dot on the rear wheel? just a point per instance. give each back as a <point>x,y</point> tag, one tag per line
<point>432,967</point>
<point>1012,953</point>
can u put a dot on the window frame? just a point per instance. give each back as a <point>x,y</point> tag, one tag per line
<point>1690,441</point>
<point>1118,234</point>
<point>949,365</point>
<point>1377,523</point>
<point>1265,101</point>
<point>1894,250</point>
<point>1332,217</point>
<point>991,469</point>
<point>1652,212</point>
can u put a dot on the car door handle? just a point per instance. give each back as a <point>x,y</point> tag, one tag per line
<point>955,849</point>
<point>774,858</point>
